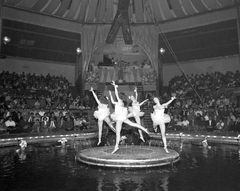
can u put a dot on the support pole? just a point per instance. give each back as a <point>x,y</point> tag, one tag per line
<point>1,25</point>
<point>238,29</point>
<point>160,74</point>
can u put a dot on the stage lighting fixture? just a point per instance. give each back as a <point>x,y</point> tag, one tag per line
<point>162,50</point>
<point>79,51</point>
<point>6,40</point>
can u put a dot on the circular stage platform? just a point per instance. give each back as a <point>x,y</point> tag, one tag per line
<point>128,156</point>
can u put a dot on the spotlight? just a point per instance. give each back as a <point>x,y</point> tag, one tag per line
<point>162,50</point>
<point>6,40</point>
<point>79,51</point>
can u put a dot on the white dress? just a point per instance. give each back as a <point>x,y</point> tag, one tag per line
<point>120,113</point>
<point>135,109</point>
<point>159,117</point>
<point>102,112</point>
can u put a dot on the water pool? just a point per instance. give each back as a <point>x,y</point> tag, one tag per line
<point>54,168</point>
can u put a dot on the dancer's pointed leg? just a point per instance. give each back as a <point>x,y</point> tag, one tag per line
<point>141,136</point>
<point>127,121</point>
<point>108,121</point>
<point>165,148</point>
<point>163,129</point>
<point>100,125</point>
<point>137,119</point>
<point>118,132</point>
<point>115,150</point>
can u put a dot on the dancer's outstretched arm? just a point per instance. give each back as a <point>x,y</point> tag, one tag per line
<point>143,102</point>
<point>113,102</point>
<point>95,96</point>
<point>116,90</point>
<point>136,94</point>
<point>170,101</point>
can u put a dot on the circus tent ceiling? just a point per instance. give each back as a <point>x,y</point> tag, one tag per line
<point>198,43</point>
<point>103,11</point>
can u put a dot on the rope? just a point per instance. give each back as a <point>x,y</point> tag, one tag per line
<point>150,12</point>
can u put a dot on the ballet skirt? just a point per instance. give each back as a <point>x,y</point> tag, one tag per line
<point>136,111</point>
<point>120,113</point>
<point>102,112</point>
<point>159,117</point>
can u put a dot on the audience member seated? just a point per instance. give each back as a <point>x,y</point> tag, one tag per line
<point>84,123</point>
<point>77,123</point>
<point>210,124</point>
<point>36,126</point>
<point>24,125</point>
<point>10,125</point>
<point>30,119</point>
<point>37,104</point>
<point>45,123</point>
<point>61,123</point>
<point>220,124</point>
<point>69,124</point>
<point>52,124</point>
<point>41,112</point>
<point>236,125</point>
<point>185,124</point>
<point>3,128</point>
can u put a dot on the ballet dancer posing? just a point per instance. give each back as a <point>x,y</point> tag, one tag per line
<point>159,118</point>
<point>120,116</point>
<point>102,114</point>
<point>134,111</point>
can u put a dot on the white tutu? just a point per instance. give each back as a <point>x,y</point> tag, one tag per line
<point>120,114</point>
<point>167,118</point>
<point>101,113</point>
<point>135,111</point>
<point>158,119</point>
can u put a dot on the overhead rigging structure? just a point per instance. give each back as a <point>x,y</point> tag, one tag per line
<point>156,24</point>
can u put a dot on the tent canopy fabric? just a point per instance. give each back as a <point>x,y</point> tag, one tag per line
<point>104,11</point>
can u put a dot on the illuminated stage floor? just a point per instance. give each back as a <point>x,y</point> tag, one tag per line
<point>133,156</point>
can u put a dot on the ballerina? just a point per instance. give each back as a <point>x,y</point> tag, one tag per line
<point>136,112</point>
<point>160,118</point>
<point>120,117</point>
<point>102,114</point>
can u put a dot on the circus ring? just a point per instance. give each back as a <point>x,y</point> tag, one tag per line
<point>134,156</point>
<point>87,138</point>
<point>150,155</point>
<point>128,156</point>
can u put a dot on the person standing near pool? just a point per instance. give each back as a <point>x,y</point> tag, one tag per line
<point>102,114</point>
<point>160,118</point>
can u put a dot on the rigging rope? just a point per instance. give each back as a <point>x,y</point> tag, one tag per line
<point>156,24</point>
<point>97,12</point>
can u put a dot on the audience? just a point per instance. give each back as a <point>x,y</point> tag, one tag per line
<point>20,112</point>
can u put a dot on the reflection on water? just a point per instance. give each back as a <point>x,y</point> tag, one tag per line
<point>51,167</point>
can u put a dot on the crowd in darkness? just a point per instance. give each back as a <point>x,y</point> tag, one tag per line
<point>32,81</point>
<point>216,108</point>
<point>31,103</point>
<point>211,81</point>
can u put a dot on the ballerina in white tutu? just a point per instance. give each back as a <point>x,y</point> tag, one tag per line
<point>160,118</point>
<point>135,111</point>
<point>120,116</point>
<point>102,114</point>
